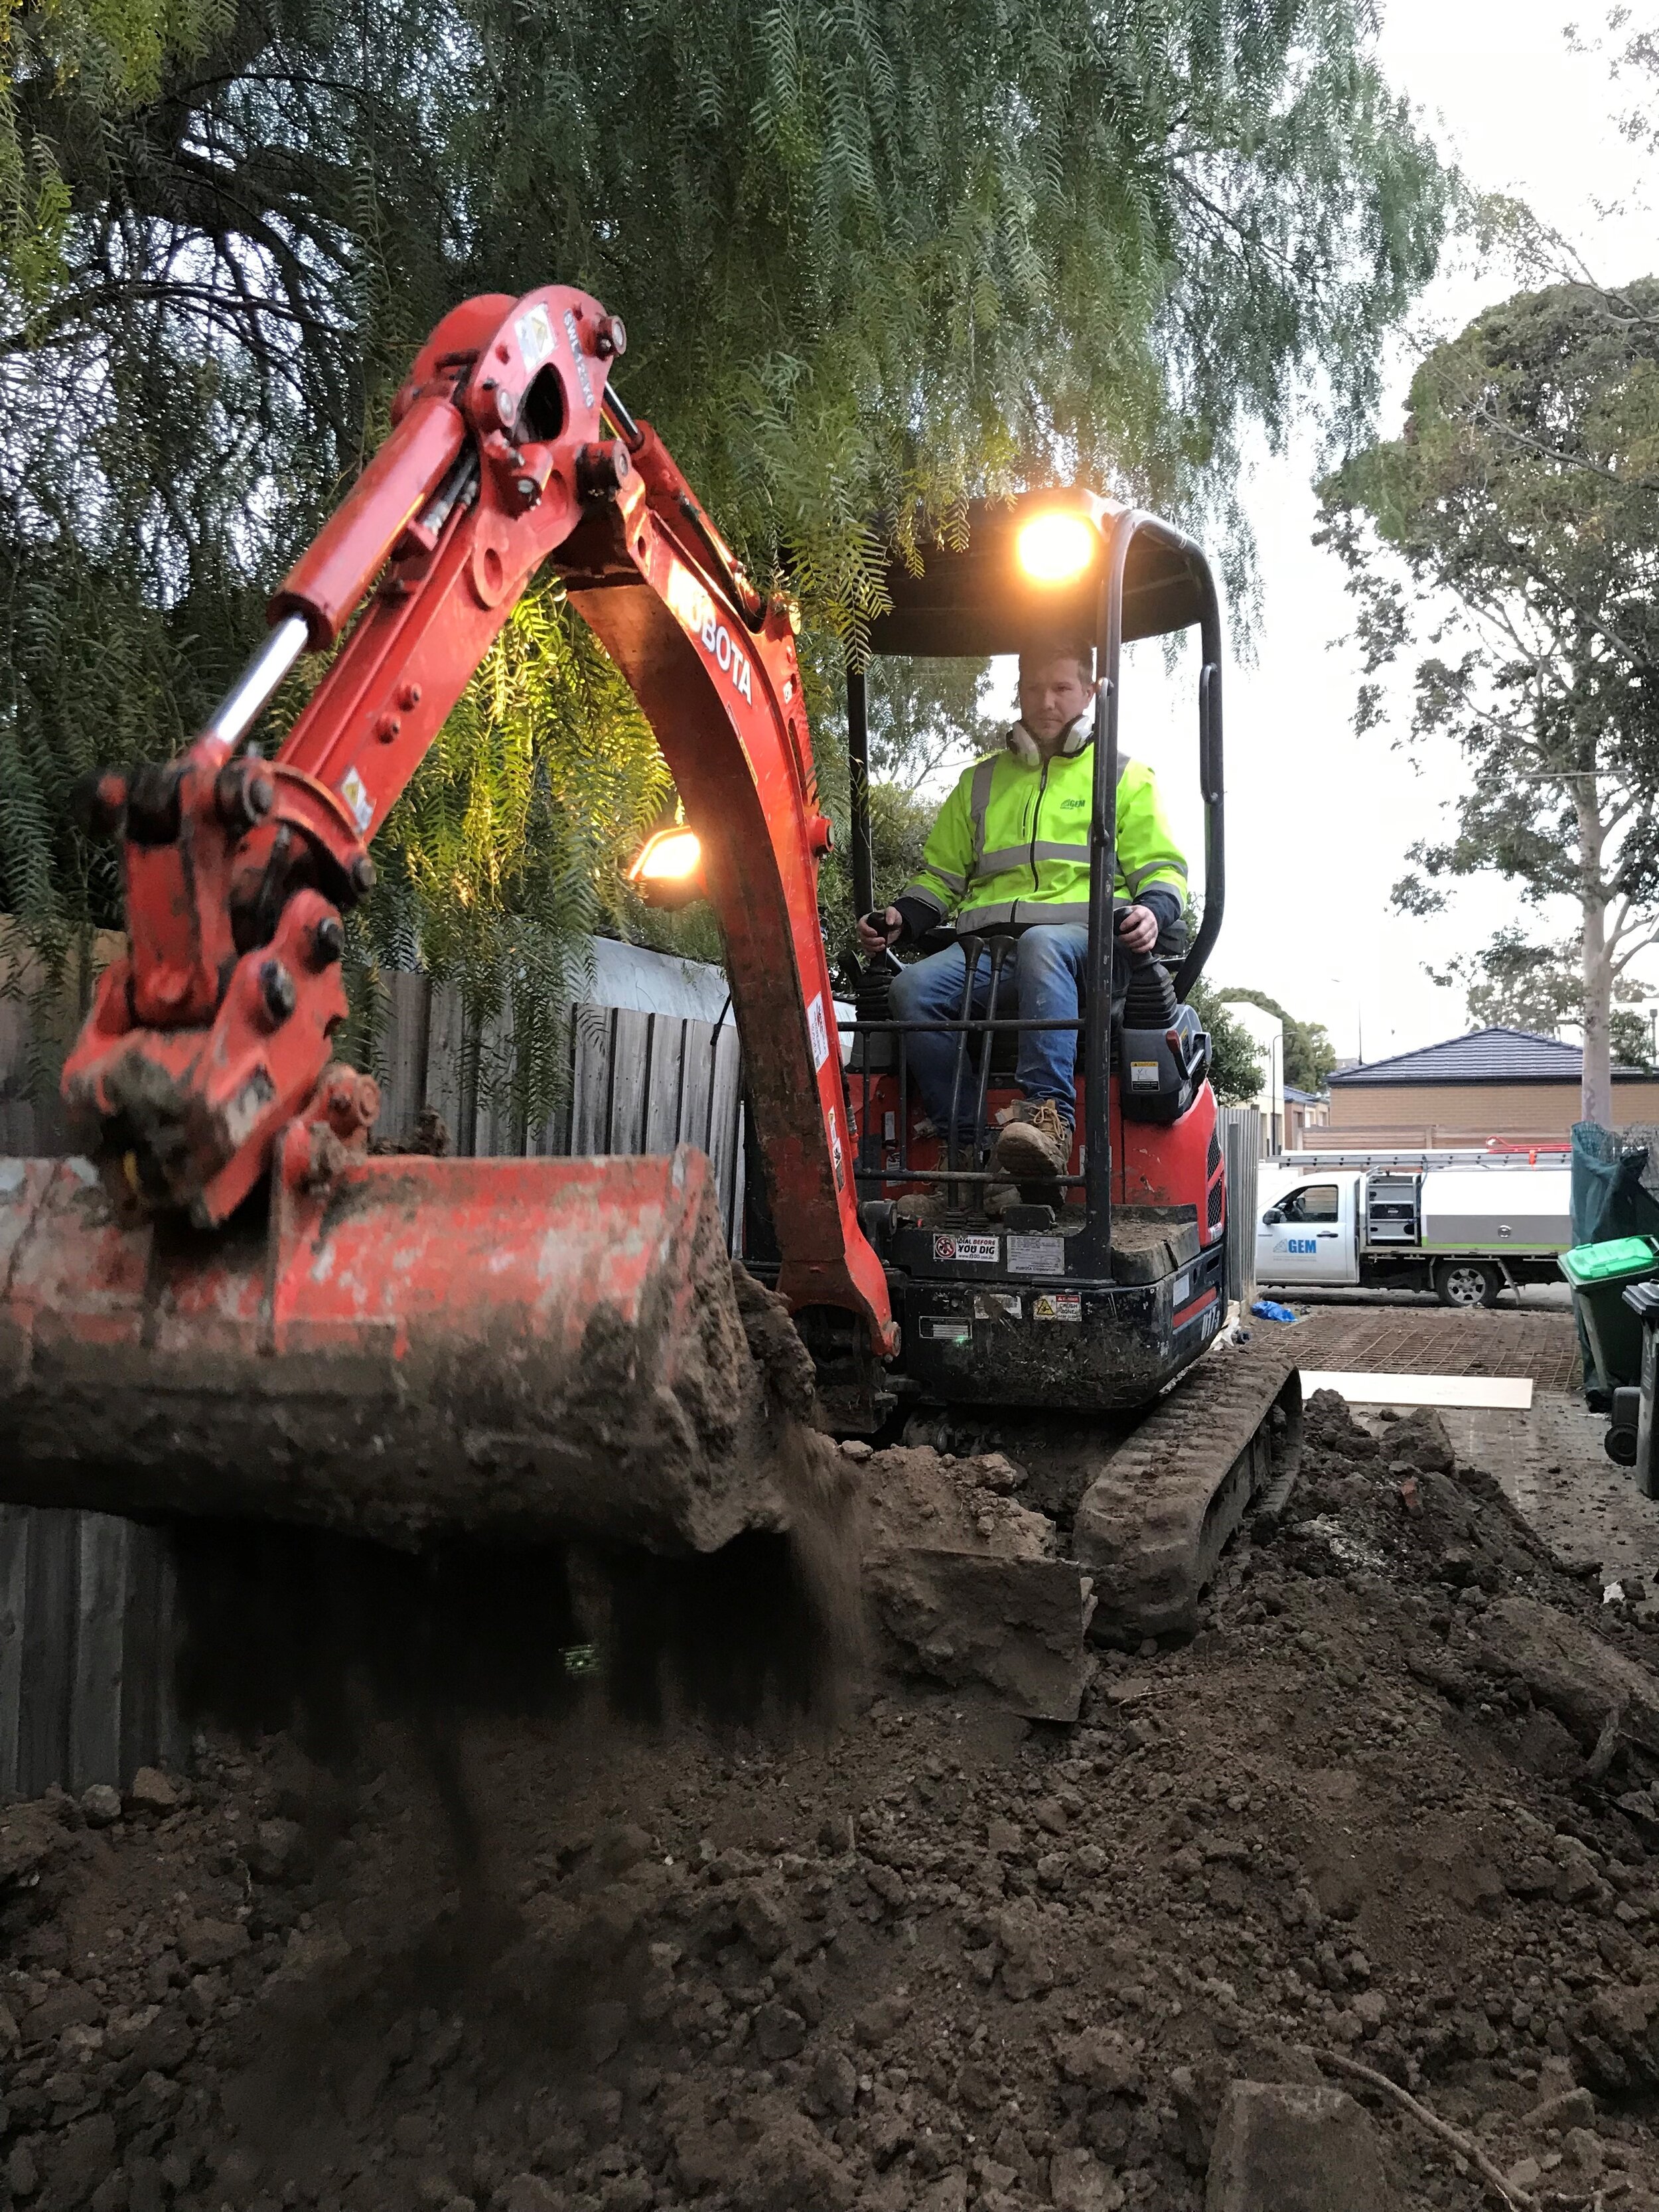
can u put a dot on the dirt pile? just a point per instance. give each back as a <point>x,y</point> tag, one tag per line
<point>1394,1803</point>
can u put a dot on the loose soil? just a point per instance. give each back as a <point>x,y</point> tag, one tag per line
<point>1395,1802</point>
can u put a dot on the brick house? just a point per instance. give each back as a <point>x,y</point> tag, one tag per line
<point>1502,1084</point>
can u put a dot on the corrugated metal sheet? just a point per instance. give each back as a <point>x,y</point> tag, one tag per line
<point>1241,1145</point>
<point>655,983</point>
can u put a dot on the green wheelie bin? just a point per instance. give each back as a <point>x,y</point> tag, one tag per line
<point>1600,1275</point>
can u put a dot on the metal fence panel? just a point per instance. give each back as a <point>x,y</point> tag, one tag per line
<point>1240,1141</point>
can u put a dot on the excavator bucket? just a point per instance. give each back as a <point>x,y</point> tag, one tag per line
<point>397,1347</point>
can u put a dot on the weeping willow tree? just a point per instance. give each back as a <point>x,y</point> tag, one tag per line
<point>197,343</point>
<point>894,253</point>
<point>507,851</point>
<point>875,257</point>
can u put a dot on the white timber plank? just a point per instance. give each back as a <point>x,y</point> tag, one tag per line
<point>1513,1392</point>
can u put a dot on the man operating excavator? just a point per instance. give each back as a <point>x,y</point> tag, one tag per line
<point>1011,845</point>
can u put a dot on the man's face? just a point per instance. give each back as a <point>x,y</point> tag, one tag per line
<point>1053,692</point>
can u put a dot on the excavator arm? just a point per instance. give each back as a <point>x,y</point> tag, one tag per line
<point>237,1309</point>
<point>507,452</point>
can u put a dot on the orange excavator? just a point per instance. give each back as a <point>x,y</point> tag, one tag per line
<point>228,1306</point>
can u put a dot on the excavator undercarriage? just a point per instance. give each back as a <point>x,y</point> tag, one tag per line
<point>227,1307</point>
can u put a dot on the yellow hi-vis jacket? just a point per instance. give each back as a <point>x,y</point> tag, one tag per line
<point>1011,840</point>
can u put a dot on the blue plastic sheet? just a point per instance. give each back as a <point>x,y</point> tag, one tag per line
<point>1270,1309</point>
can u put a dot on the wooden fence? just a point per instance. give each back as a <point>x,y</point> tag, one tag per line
<point>639,1078</point>
<point>86,1637</point>
<point>86,1610</point>
<point>35,1031</point>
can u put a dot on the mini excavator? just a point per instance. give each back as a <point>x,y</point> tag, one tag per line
<point>228,1306</point>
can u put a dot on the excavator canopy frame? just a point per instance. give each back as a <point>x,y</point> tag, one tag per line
<point>971,595</point>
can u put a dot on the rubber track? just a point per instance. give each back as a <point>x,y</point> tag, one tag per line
<point>1153,1524</point>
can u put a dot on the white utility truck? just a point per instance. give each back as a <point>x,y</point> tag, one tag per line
<point>1462,1224</point>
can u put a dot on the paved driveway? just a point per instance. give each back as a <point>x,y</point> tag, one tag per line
<point>1434,1339</point>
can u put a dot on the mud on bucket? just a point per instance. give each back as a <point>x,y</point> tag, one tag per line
<point>549,1349</point>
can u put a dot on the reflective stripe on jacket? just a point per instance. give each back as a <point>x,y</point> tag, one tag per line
<point>1011,840</point>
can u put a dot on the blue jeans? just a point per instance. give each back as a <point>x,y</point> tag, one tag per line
<point>1046,969</point>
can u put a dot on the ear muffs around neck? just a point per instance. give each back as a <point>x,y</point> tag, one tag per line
<point>1076,734</point>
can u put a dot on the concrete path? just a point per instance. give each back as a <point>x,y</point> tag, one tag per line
<point>1549,1460</point>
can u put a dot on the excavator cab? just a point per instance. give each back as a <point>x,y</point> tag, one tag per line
<point>1096,1291</point>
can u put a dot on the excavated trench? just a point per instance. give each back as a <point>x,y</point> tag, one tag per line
<point>521,1918</point>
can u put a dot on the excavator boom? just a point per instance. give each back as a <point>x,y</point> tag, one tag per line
<point>243,1311</point>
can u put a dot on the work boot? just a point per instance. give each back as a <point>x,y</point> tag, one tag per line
<point>1036,1144</point>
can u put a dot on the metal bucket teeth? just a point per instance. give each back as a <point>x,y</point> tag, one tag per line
<point>1153,1524</point>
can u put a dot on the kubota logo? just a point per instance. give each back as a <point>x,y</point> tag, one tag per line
<point>690,602</point>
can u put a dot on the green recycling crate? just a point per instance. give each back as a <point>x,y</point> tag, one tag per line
<point>1599,1274</point>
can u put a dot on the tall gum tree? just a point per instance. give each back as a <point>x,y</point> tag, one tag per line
<point>1511,537</point>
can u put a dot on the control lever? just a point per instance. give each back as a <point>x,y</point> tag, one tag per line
<point>1127,961</point>
<point>886,961</point>
<point>1162,1050</point>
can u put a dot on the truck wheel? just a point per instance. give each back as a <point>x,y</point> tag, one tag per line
<point>1467,1283</point>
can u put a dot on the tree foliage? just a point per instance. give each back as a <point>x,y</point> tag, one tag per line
<point>928,719</point>
<point>93,66</point>
<point>1235,1070</point>
<point>875,258</point>
<point>1309,1055</point>
<point>899,822</point>
<point>1633,1042</point>
<point>1519,511</point>
<point>1514,982</point>
<point>1517,983</point>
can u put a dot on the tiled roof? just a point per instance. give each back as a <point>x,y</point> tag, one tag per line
<point>1494,1056</point>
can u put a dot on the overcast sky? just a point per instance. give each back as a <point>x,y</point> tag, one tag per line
<point>1319,823</point>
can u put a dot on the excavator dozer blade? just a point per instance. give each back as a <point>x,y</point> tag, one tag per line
<point>397,1346</point>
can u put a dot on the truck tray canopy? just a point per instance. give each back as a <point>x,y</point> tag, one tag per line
<point>1466,1209</point>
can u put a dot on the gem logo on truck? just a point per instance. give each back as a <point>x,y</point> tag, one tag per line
<point>690,602</point>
